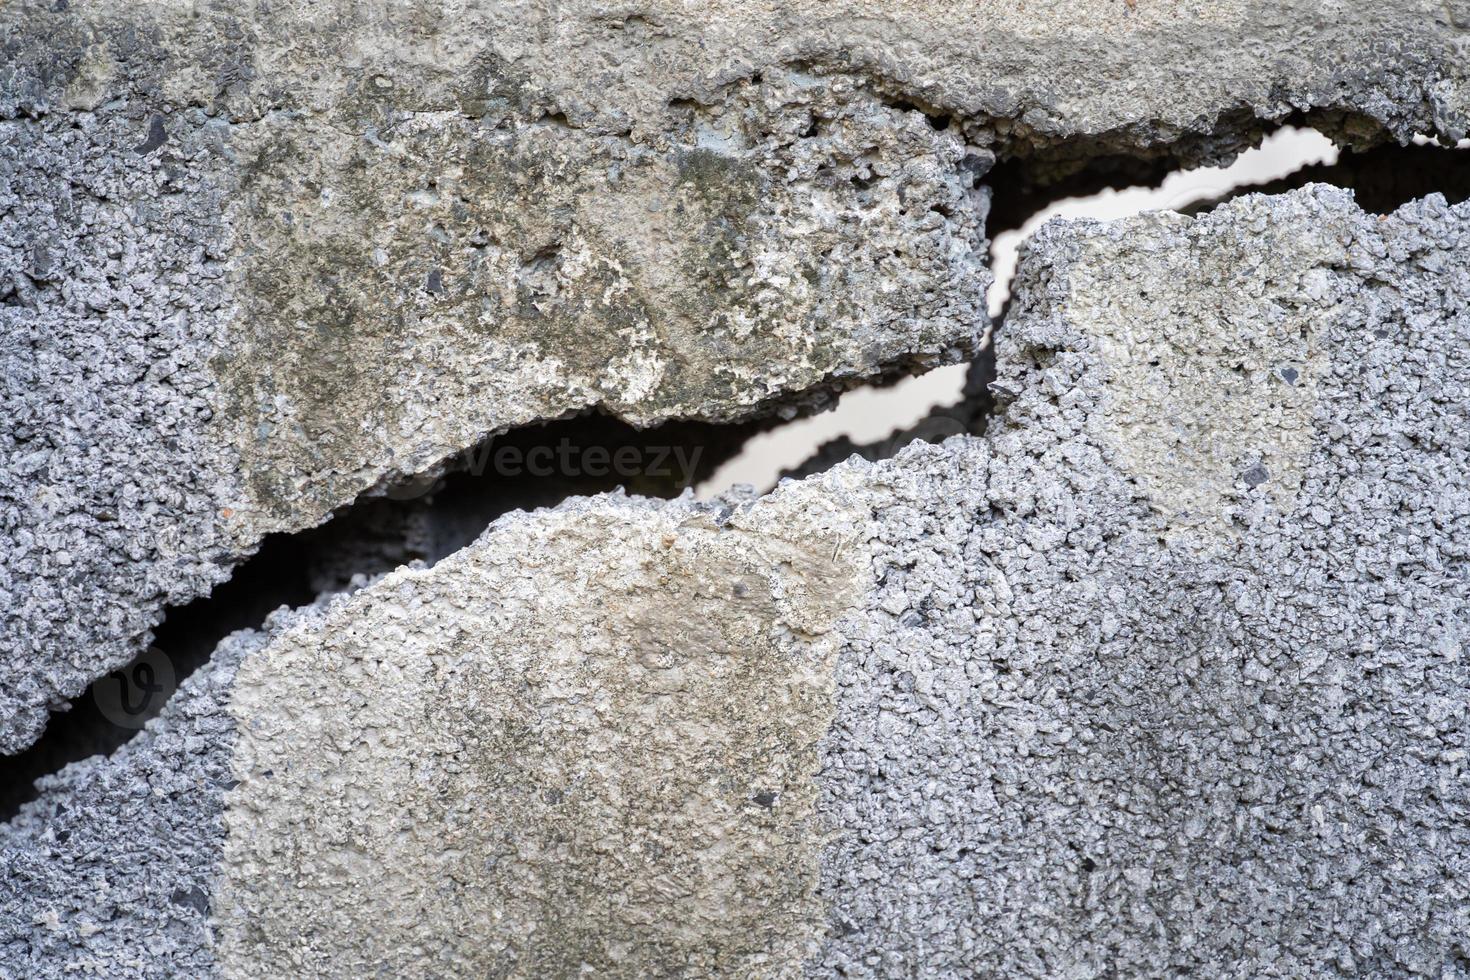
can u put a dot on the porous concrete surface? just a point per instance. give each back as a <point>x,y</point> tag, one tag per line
<point>261,258</point>
<point>109,872</point>
<point>585,743</point>
<point>1153,684</point>
<point>1083,697</point>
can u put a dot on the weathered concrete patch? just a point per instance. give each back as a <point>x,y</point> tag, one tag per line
<point>586,742</point>
<point>1208,345</point>
<point>419,280</point>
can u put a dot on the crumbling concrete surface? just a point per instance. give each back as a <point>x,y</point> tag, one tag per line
<point>258,259</point>
<point>228,312</point>
<point>1165,674</point>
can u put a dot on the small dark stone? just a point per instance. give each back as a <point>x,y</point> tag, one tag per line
<point>42,262</point>
<point>435,283</point>
<point>1256,475</point>
<point>191,898</point>
<point>1289,375</point>
<point>765,798</point>
<point>156,136</point>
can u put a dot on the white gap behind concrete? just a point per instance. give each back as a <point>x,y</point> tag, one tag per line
<point>870,414</point>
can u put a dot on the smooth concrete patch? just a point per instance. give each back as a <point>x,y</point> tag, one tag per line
<point>587,742</point>
<point>1211,348</point>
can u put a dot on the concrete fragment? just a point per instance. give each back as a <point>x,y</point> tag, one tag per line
<point>229,312</point>
<point>666,748</point>
<point>1027,704</point>
<point>1119,706</point>
<point>630,793</point>
<point>111,871</point>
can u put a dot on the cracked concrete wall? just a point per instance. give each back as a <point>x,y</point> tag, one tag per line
<point>1086,696</point>
<point>261,259</point>
<point>226,321</point>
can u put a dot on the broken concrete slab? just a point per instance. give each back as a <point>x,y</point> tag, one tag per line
<point>1063,699</point>
<point>1124,706</point>
<point>631,793</point>
<point>222,327</point>
<point>696,778</point>
<point>261,259</point>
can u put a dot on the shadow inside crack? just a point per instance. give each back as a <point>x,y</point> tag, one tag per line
<point>418,520</point>
<point>1382,179</point>
<point>969,415</point>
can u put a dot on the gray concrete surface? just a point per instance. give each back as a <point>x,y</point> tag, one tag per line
<point>110,873</point>
<point>261,259</point>
<point>225,320</point>
<point>1142,682</point>
<point>1167,674</point>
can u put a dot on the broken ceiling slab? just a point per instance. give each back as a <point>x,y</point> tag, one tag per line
<point>1200,724</point>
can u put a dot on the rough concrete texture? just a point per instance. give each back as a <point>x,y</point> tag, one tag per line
<point>109,873</point>
<point>1133,703</point>
<point>1087,696</point>
<point>229,311</point>
<point>260,258</point>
